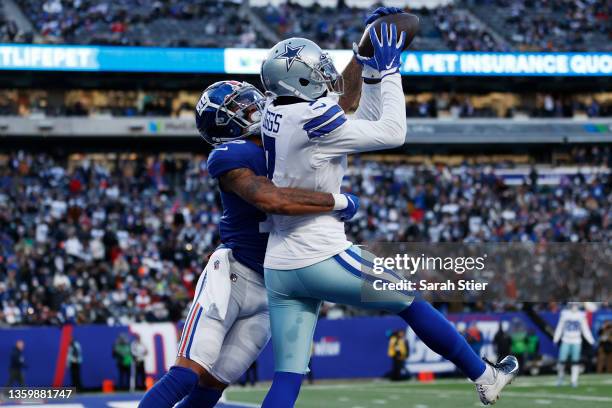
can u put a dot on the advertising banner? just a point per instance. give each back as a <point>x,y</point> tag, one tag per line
<point>343,348</point>
<point>248,61</point>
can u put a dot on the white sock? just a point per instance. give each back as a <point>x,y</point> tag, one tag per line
<point>575,372</point>
<point>488,377</point>
<point>560,371</point>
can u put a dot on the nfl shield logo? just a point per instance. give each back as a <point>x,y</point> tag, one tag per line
<point>216,264</point>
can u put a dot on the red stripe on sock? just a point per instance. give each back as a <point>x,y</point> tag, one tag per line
<point>60,364</point>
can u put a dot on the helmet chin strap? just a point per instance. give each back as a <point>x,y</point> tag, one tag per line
<point>294,91</point>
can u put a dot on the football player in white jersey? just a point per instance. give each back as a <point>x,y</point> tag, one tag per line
<point>307,137</point>
<point>228,325</point>
<point>570,329</point>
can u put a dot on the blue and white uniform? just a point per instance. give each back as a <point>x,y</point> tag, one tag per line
<point>228,323</point>
<point>307,146</point>
<point>239,225</point>
<point>309,258</point>
<point>571,328</point>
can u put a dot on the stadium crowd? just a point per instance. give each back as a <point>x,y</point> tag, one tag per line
<point>461,32</point>
<point>123,239</point>
<point>142,23</point>
<point>443,27</point>
<point>548,25</point>
<point>128,103</point>
<point>463,25</point>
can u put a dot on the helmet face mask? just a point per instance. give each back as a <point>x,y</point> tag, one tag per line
<point>244,106</point>
<point>328,74</point>
<point>298,67</point>
<point>229,110</point>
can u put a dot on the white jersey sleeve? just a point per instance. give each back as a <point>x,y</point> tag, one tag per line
<point>370,102</point>
<point>381,130</point>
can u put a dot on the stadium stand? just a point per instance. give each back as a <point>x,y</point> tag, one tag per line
<point>462,25</point>
<point>442,27</point>
<point>8,28</point>
<point>14,25</point>
<point>136,22</point>
<point>119,238</point>
<point>550,25</point>
<point>133,103</point>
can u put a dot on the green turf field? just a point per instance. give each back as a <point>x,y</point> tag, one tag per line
<point>594,391</point>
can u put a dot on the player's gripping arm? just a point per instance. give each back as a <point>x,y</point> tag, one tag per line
<point>352,85</point>
<point>389,130</point>
<point>369,105</point>
<point>263,194</point>
<point>369,99</point>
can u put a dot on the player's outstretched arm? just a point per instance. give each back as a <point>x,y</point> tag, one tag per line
<point>263,194</point>
<point>354,72</point>
<point>352,85</point>
<point>389,130</point>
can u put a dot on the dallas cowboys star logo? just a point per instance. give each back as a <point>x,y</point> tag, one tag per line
<point>290,55</point>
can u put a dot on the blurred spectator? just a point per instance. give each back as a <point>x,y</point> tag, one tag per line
<point>398,352</point>
<point>474,338</point>
<point>122,354</point>
<point>604,348</point>
<point>139,352</point>
<point>502,342</point>
<point>519,342</point>
<point>75,360</point>
<point>533,346</point>
<point>16,366</point>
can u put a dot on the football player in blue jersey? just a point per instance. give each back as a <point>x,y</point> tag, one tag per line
<point>228,323</point>
<point>307,138</point>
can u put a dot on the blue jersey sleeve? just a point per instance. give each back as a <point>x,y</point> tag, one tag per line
<point>228,156</point>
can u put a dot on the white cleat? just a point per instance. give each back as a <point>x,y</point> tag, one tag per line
<point>503,372</point>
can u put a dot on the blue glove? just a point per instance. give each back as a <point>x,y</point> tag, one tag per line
<point>382,11</point>
<point>351,209</point>
<point>387,50</point>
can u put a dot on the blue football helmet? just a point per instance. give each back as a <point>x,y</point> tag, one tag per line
<point>229,110</point>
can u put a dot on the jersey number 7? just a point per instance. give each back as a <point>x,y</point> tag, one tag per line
<point>269,145</point>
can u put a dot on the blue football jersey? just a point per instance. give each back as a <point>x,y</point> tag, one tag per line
<point>239,226</point>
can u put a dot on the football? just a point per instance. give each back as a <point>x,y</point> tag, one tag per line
<point>408,23</point>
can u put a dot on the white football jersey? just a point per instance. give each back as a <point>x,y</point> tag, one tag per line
<point>572,326</point>
<point>306,147</point>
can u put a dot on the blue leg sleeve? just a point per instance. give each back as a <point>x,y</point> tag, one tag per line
<point>201,397</point>
<point>284,391</point>
<point>172,388</point>
<point>442,337</point>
